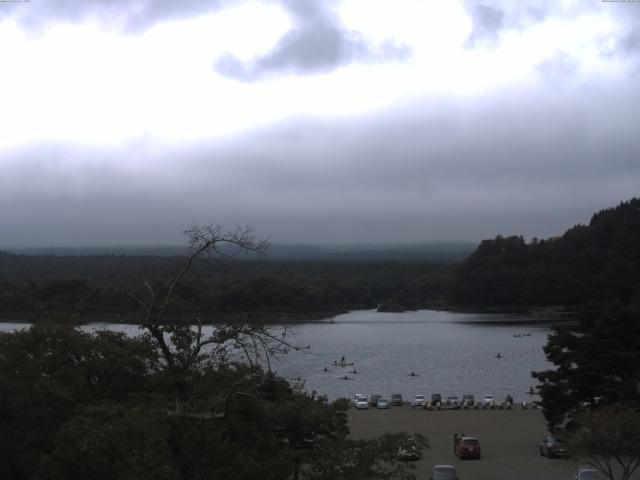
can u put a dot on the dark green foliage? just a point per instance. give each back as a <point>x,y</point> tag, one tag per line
<point>597,363</point>
<point>372,459</point>
<point>104,406</point>
<point>48,372</point>
<point>34,288</point>
<point>600,261</point>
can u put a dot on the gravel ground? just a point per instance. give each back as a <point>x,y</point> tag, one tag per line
<point>509,441</point>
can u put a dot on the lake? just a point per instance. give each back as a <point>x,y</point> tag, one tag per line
<point>450,353</point>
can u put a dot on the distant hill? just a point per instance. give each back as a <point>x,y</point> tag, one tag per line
<point>437,252</point>
<point>598,261</point>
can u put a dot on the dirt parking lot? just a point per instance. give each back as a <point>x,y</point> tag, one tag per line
<point>509,440</point>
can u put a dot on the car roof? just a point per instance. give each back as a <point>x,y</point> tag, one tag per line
<point>444,467</point>
<point>471,437</point>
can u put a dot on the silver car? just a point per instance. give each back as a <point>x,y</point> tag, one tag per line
<point>588,474</point>
<point>443,472</point>
<point>553,448</point>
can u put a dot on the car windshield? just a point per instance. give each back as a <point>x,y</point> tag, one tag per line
<point>444,474</point>
<point>470,441</point>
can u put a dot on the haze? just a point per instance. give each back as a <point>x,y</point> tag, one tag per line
<point>354,121</point>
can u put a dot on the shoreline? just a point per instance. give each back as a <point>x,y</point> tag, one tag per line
<point>526,316</point>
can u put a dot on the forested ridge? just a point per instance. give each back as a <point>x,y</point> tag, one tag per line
<point>35,286</point>
<point>595,262</point>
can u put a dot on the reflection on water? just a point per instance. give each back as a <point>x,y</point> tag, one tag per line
<point>450,353</point>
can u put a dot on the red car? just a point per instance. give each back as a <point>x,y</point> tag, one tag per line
<point>468,447</point>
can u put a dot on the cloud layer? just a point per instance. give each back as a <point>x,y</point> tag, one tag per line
<point>523,122</point>
<point>318,42</point>
<point>423,171</point>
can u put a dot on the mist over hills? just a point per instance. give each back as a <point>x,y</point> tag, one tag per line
<point>432,252</point>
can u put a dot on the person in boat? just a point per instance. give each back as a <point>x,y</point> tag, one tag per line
<point>413,374</point>
<point>499,355</point>
<point>531,391</point>
<point>342,361</point>
<point>354,371</point>
<point>326,369</point>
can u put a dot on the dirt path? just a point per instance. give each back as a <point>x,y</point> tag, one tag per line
<point>509,440</point>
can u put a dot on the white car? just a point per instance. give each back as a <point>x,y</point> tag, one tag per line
<point>418,401</point>
<point>487,401</point>
<point>361,402</point>
<point>452,403</point>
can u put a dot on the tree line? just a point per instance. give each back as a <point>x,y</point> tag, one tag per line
<point>35,287</point>
<point>595,262</point>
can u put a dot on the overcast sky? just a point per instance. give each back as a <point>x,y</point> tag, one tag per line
<point>316,121</point>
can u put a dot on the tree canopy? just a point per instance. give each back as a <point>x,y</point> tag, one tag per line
<point>171,403</point>
<point>599,261</point>
<point>597,363</point>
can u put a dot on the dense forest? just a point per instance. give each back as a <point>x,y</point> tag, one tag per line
<point>595,262</point>
<point>598,261</point>
<point>35,286</point>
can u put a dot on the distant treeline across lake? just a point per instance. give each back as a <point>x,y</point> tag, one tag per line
<point>595,262</point>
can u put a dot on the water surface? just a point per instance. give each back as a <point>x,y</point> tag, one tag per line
<point>450,353</point>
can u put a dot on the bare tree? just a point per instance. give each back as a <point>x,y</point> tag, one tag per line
<point>180,338</point>
<point>609,440</point>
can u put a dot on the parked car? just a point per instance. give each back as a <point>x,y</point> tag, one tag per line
<point>374,400</point>
<point>382,403</point>
<point>418,401</point>
<point>436,398</point>
<point>410,450</point>
<point>468,447</point>
<point>452,403</point>
<point>396,399</point>
<point>443,472</point>
<point>588,474</point>
<point>487,401</point>
<point>468,400</point>
<point>553,447</point>
<point>361,402</point>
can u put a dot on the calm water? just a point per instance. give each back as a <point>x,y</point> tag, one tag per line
<point>453,353</point>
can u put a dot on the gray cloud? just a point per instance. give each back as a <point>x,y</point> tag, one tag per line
<point>318,42</point>
<point>560,65</point>
<point>487,24</point>
<point>520,162</point>
<point>124,15</point>
<point>626,36</point>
